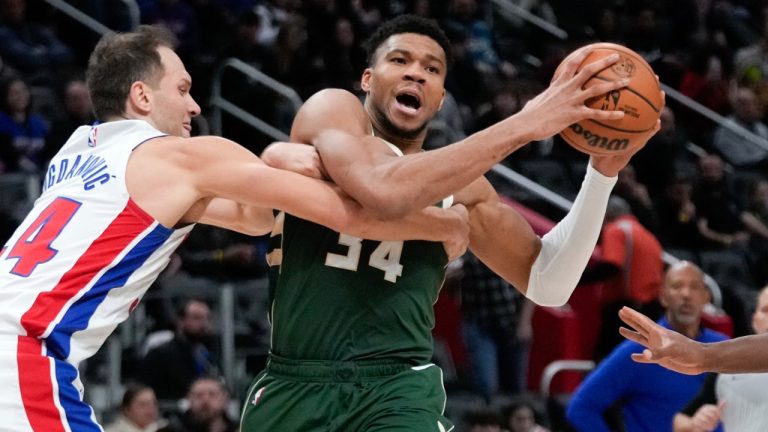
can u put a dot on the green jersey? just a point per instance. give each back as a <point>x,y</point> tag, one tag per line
<point>339,297</point>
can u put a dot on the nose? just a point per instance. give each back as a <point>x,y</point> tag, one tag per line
<point>193,107</point>
<point>415,73</point>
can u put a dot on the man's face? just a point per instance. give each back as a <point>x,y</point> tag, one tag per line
<point>206,399</point>
<point>143,409</point>
<point>684,294</point>
<point>196,323</point>
<point>77,101</point>
<point>760,317</point>
<point>405,86</point>
<point>172,105</point>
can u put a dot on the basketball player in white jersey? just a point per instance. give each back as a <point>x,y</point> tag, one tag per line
<point>117,200</point>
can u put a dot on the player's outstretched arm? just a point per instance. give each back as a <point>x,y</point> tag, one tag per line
<point>221,173</point>
<point>336,122</point>
<point>546,270</point>
<point>245,219</point>
<point>676,352</point>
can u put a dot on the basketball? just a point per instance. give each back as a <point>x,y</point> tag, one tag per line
<point>640,100</point>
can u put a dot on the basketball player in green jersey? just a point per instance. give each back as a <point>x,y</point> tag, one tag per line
<point>352,318</point>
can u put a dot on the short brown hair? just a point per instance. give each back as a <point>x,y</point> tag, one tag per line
<point>119,60</point>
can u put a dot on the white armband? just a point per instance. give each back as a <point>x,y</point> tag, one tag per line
<point>566,249</point>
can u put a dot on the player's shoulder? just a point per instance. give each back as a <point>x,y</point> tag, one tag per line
<point>333,101</point>
<point>334,95</point>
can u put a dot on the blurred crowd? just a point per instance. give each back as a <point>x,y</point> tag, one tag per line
<point>699,188</point>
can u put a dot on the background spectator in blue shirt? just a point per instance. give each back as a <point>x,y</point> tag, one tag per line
<point>649,395</point>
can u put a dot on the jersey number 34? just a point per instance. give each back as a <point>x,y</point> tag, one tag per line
<point>386,257</point>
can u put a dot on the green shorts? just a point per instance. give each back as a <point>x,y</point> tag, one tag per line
<point>316,396</point>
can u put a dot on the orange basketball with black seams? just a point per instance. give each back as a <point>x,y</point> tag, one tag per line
<point>641,102</point>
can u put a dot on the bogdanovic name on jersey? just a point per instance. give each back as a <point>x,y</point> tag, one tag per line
<point>93,171</point>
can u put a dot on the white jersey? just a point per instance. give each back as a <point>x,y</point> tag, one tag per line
<point>746,402</point>
<point>86,253</point>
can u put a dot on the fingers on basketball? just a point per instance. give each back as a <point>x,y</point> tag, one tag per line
<point>641,100</point>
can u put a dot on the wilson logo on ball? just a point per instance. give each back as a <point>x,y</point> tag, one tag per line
<point>595,140</point>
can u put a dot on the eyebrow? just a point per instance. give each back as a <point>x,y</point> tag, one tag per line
<point>187,81</point>
<point>409,54</point>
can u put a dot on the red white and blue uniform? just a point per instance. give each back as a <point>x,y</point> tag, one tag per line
<point>73,270</point>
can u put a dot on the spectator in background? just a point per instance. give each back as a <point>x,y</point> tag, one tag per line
<point>522,416</point>
<point>719,216</point>
<point>482,420</point>
<point>244,46</point>
<point>751,62</point>
<point>31,48</point>
<point>497,330</point>
<point>208,400</point>
<point>22,133</point>
<point>637,197</point>
<point>707,79</point>
<point>755,219</point>
<point>663,157</point>
<point>180,18</point>
<point>272,14</point>
<point>171,367</point>
<point>291,60</point>
<point>731,144</point>
<point>138,411</point>
<point>678,223</point>
<point>632,268</point>
<point>343,58</point>
<point>464,18</point>
<point>738,400</point>
<point>78,111</point>
<point>649,395</point>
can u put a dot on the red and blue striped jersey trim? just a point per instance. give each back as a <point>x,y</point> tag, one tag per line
<point>123,230</point>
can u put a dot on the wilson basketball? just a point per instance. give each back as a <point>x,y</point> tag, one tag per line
<point>641,102</point>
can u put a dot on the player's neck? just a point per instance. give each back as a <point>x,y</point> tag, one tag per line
<point>406,145</point>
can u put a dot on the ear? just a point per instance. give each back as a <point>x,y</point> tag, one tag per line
<point>140,98</point>
<point>365,81</point>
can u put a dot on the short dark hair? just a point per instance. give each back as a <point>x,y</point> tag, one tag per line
<point>132,391</point>
<point>408,24</point>
<point>119,60</point>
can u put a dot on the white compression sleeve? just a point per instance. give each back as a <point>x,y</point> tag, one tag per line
<point>566,249</point>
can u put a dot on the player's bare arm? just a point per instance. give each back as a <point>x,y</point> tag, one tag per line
<point>679,353</point>
<point>499,236</point>
<point>545,269</point>
<point>239,217</point>
<point>174,180</point>
<point>336,122</point>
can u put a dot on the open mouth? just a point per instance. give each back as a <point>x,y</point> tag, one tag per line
<point>409,101</point>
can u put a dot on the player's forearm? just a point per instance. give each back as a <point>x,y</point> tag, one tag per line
<point>399,186</point>
<point>741,355</point>
<point>430,224</point>
<point>566,249</point>
<point>299,158</point>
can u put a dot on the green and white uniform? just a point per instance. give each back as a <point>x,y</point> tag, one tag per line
<point>351,334</point>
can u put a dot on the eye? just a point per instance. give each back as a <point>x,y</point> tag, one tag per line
<point>432,69</point>
<point>398,60</point>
